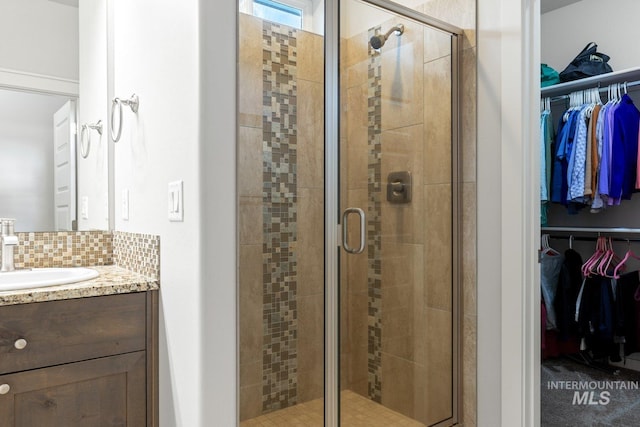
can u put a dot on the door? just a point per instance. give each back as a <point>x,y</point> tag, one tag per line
<point>64,167</point>
<point>398,198</point>
<point>373,340</point>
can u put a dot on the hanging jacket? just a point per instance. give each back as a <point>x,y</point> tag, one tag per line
<point>624,149</point>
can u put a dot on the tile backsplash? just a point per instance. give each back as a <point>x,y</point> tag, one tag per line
<point>136,252</point>
<point>63,249</point>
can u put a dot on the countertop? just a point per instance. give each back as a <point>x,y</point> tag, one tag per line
<point>112,280</point>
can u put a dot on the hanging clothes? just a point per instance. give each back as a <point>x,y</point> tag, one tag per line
<point>596,317</point>
<point>595,154</point>
<point>550,265</point>
<point>627,312</point>
<point>546,141</point>
<point>624,153</point>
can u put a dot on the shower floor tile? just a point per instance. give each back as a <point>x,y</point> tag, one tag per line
<point>357,411</point>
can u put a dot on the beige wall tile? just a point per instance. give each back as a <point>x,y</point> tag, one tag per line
<point>310,56</point>
<point>250,71</point>
<point>398,263</point>
<point>310,118</point>
<point>309,248</point>
<point>251,302</point>
<point>251,373</point>
<point>469,370</point>
<point>250,220</point>
<point>438,365</point>
<point>356,348</point>
<point>437,121</point>
<point>310,347</point>
<point>355,51</point>
<point>398,387</point>
<point>250,162</point>
<point>469,252</point>
<point>397,332</point>
<point>355,117</point>
<point>468,115</point>
<point>402,78</point>
<point>250,401</point>
<point>436,44</point>
<point>438,246</point>
<point>461,13</point>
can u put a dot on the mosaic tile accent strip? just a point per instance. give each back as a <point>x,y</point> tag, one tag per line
<point>63,249</point>
<point>374,227</point>
<point>136,252</point>
<point>279,196</point>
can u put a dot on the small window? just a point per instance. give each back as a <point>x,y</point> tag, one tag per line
<point>278,12</point>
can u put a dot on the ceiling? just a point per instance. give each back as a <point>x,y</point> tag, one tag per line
<point>549,5</point>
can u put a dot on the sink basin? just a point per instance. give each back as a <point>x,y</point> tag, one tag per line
<point>40,277</point>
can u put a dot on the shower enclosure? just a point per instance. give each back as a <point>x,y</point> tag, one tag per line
<point>348,215</point>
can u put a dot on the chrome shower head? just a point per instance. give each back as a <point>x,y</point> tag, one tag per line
<point>379,40</point>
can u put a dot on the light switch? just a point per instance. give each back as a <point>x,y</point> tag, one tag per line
<point>84,207</point>
<point>176,208</point>
<point>125,204</point>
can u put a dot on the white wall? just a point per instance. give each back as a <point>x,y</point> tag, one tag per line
<point>508,340</point>
<point>183,68</point>
<point>93,170</point>
<point>614,27</point>
<point>43,35</point>
<point>156,56</point>
<point>26,159</point>
<point>218,193</point>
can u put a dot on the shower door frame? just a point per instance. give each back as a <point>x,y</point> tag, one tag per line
<point>333,209</point>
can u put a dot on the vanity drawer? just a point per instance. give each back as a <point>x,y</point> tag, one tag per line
<point>66,331</point>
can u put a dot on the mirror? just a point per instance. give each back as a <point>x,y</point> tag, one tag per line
<point>54,51</point>
<point>37,176</point>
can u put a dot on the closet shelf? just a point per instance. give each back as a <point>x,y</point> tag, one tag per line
<point>592,230</point>
<point>628,75</point>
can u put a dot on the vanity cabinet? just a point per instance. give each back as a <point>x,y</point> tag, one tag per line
<point>79,362</point>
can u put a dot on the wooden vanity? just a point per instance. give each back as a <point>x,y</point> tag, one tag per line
<point>88,361</point>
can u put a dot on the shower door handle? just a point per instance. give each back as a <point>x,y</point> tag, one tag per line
<point>345,231</point>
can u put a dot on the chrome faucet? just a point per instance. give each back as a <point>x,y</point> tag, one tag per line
<point>9,240</point>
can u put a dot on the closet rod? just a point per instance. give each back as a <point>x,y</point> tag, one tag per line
<point>603,230</point>
<point>601,89</point>
<point>591,238</point>
<point>630,75</point>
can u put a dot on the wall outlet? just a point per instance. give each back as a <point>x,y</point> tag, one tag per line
<point>175,199</point>
<point>125,204</point>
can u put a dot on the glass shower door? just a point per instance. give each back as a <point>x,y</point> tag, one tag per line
<point>398,169</point>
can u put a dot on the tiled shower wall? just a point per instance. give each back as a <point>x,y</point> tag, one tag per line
<point>400,98</point>
<point>281,216</point>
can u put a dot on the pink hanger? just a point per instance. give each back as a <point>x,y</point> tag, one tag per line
<point>621,265</point>
<point>587,267</point>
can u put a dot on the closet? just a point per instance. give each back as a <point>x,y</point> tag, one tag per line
<point>590,339</point>
<point>590,216</point>
<point>590,249</point>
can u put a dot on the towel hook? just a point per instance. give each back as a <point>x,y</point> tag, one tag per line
<point>133,102</point>
<point>85,137</point>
